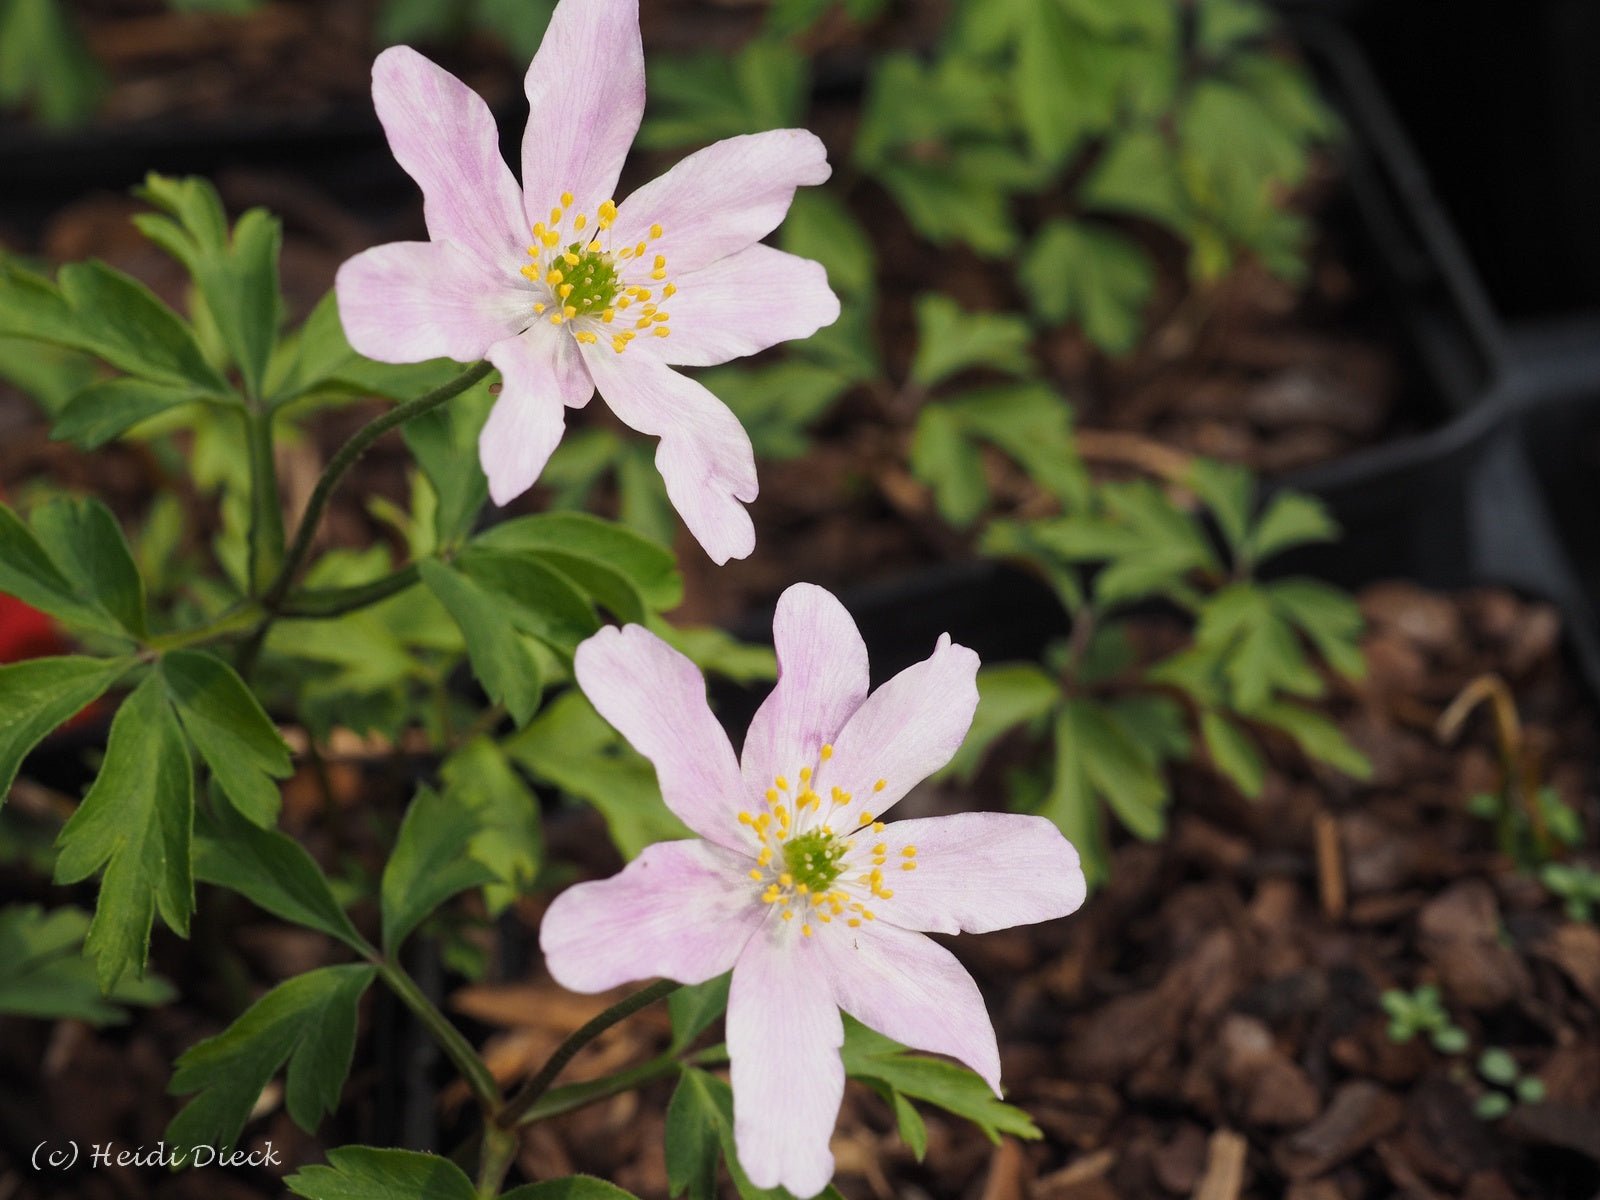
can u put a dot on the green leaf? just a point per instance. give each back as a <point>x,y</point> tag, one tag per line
<point>241,290</point>
<point>445,444</point>
<point>272,871</point>
<point>510,839</point>
<point>1033,424</point>
<point>1009,695</point>
<point>136,822</point>
<point>1292,519</point>
<point>820,227</point>
<point>47,976</point>
<point>230,730</point>
<point>1075,271</point>
<point>871,1057</point>
<point>502,663</point>
<point>367,1173</point>
<point>1331,619</point>
<point>913,1129</point>
<point>106,410</point>
<point>778,404</point>
<point>945,459</point>
<point>694,1137</point>
<point>1117,769</point>
<point>695,1009</point>
<point>1317,737</point>
<point>44,63</point>
<point>1222,24</point>
<point>700,98</point>
<point>951,339</point>
<point>619,568</point>
<point>1227,490</point>
<point>88,545</point>
<point>1498,1066</point>
<point>570,1187</point>
<point>538,599</point>
<point>1137,175</point>
<point>570,747</point>
<point>114,317</point>
<point>308,1021</point>
<point>430,863</point>
<point>41,693</point>
<point>1233,753</point>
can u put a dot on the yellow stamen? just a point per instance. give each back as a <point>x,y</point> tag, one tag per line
<point>880,785</point>
<point>566,199</point>
<point>580,221</point>
<point>655,231</point>
<point>754,874</point>
<point>827,750</point>
<point>806,930</point>
<point>663,331</point>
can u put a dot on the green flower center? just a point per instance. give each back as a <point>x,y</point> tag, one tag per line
<point>813,859</point>
<point>593,277</point>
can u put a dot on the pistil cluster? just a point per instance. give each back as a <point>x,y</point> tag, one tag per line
<point>584,277</point>
<point>809,867</point>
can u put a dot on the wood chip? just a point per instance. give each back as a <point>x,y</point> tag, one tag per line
<point>1225,1165</point>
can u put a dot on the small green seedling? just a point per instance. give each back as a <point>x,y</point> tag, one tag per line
<point>1422,1011</point>
<point>1578,886</point>
<point>1509,1085</point>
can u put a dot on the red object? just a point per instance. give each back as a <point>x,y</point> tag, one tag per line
<point>25,632</point>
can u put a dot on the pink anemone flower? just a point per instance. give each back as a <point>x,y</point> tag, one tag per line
<point>566,291</point>
<point>795,883</point>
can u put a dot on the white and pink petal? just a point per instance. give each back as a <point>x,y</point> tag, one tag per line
<point>742,305</point>
<point>444,136</point>
<point>906,730</point>
<point>784,1035</point>
<point>705,456</point>
<point>720,200</point>
<point>585,91</point>
<point>977,872</point>
<point>909,988</point>
<point>407,302</point>
<point>542,374</point>
<point>681,910</point>
<point>656,698</point>
<point>822,680</point>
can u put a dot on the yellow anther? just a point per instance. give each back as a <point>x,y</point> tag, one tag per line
<point>623,302</point>
<point>765,856</point>
<point>640,248</point>
<point>539,308</point>
<point>825,918</point>
<point>625,252</point>
<point>571,259</point>
<point>878,827</point>
<point>661,317</point>
<point>663,331</point>
<point>538,229</point>
<point>554,276</point>
<point>746,819</point>
<point>661,261</point>
<point>880,848</point>
<point>782,813</point>
<point>854,922</point>
<point>802,889</point>
<point>910,866</point>
<point>550,237</point>
<point>772,795</point>
<point>566,199</point>
<point>864,819</point>
<point>886,894</point>
<point>608,210</point>
<point>880,785</point>
<point>786,879</point>
<point>532,250</point>
<point>909,852</point>
<point>659,273</point>
<point>587,338</point>
<point>648,310</point>
<point>827,750</point>
<point>763,820</point>
<point>618,344</point>
<point>568,311</point>
<point>655,231</point>
<point>806,930</point>
<point>609,315</point>
<point>754,874</point>
<point>564,290</point>
<point>788,916</point>
<point>667,293</point>
<point>783,784</point>
<point>594,247</point>
<point>555,318</point>
<point>555,217</point>
<point>580,221</point>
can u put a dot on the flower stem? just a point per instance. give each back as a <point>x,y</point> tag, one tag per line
<point>567,1099</point>
<point>344,460</point>
<point>512,1113</point>
<point>494,1159</point>
<point>455,1046</point>
<point>266,511</point>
